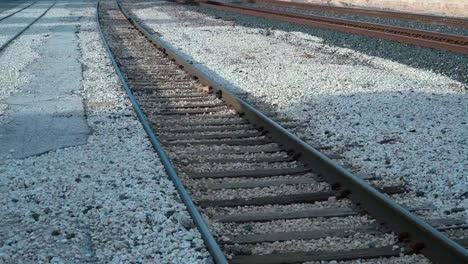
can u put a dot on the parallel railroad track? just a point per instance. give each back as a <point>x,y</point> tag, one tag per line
<point>245,173</point>
<point>15,36</point>
<point>12,13</point>
<point>453,43</point>
<point>459,22</point>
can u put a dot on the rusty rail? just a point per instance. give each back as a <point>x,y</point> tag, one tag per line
<point>453,21</point>
<point>453,43</point>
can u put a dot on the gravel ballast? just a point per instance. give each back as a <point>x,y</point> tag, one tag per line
<point>383,117</point>
<point>107,201</point>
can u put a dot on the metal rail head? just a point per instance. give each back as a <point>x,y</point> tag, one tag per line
<point>210,242</point>
<point>419,236</point>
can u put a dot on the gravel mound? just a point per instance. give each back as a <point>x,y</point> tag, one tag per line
<point>385,118</point>
<point>108,201</point>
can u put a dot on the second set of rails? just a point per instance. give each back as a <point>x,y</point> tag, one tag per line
<point>454,21</point>
<point>246,173</point>
<point>2,17</point>
<point>429,39</point>
<point>27,6</point>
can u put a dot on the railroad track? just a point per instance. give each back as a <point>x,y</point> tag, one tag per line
<point>249,177</point>
<point>17,34</point>
<point>453,43</point>
<point>458,22</point>
<point>6,6</point>
<point>17,11</point>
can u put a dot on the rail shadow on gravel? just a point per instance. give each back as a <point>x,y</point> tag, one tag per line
<point>450,64</point>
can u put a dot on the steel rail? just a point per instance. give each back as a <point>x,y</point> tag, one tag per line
<point>25,28</point>
<point>17,11</point>
<point>461,22</point>
<point>210,242</point>
<point>453,43</point>
<point>418,235</point>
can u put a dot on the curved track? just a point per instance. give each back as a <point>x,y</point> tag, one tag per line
<point>15,36</point>
<point>459,22</point>
<point>428,39</point>
<point>207,132</point>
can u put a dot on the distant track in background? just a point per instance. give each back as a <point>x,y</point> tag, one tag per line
<point>15,36</point>
<point>453,43</point>
<point>459,22</point>
<point>17,11</point>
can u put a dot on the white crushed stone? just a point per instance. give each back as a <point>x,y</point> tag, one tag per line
<point>384,118</point>
<point>457,233</point>
<point>108,201</point>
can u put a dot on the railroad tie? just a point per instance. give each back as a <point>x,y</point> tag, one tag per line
<point>302,235</point>
<point>284,199</point>
<point>204,128</point>
<point>299,257</point>
<point>271,216</point>
<point>220,135</point>
<point>252,183</point>
<point>204,159</point>
<point>249,173</point>
<point>231,142</point>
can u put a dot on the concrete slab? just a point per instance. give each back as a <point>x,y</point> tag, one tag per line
<point>48,113</point>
